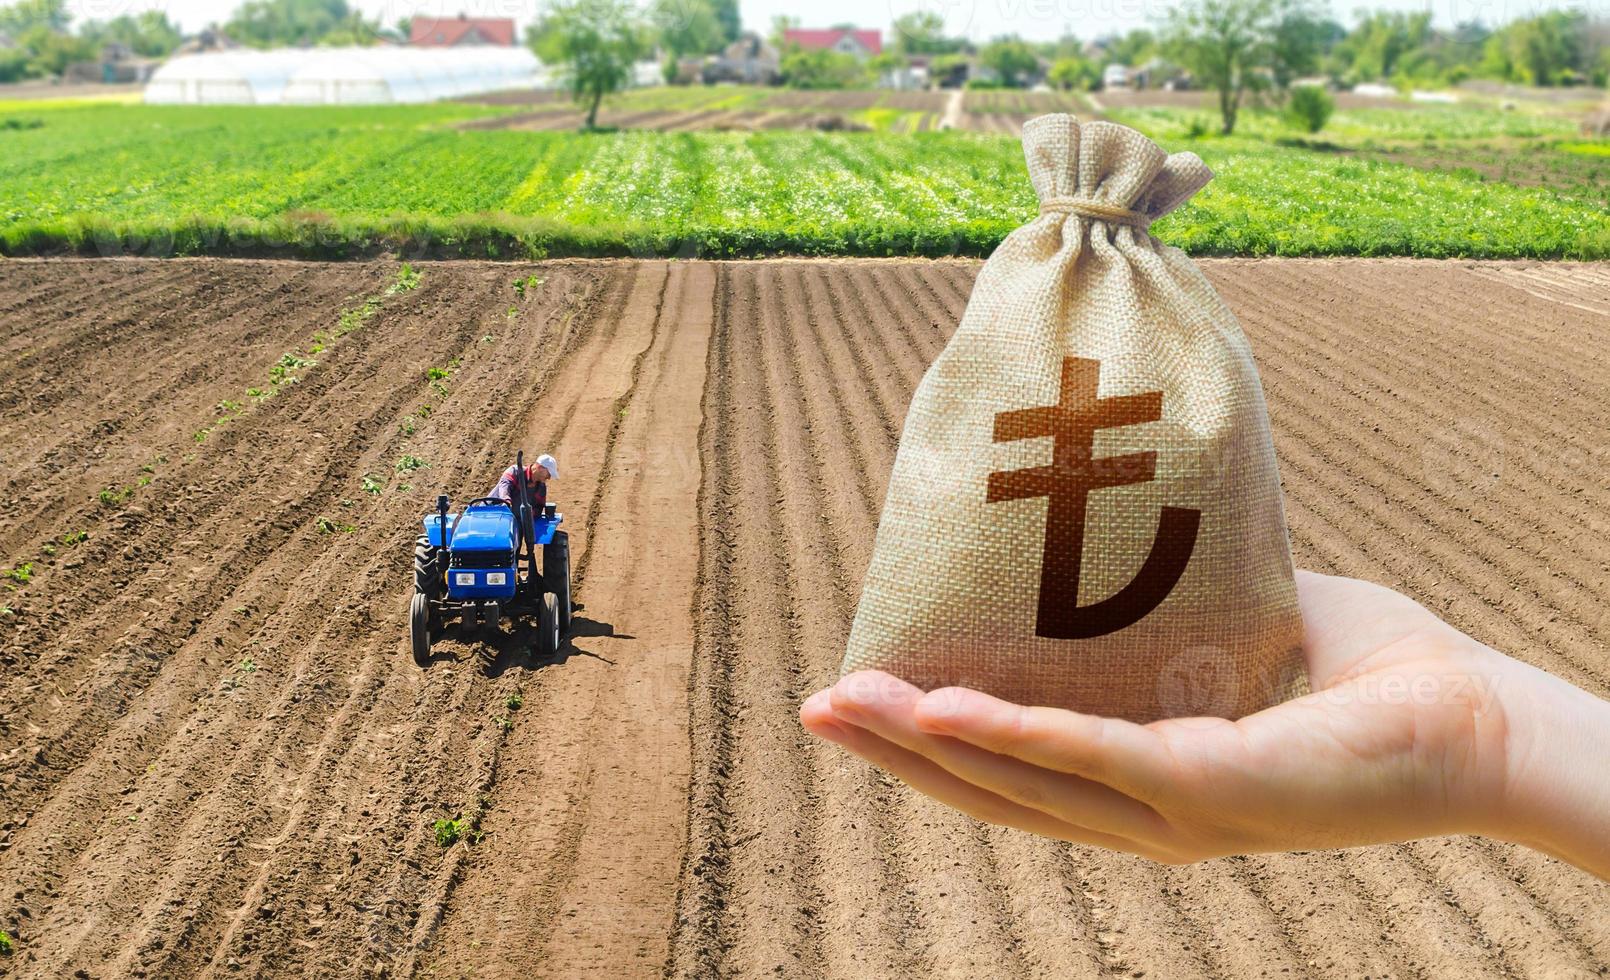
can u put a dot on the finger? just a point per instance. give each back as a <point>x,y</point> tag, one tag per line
<point>929,779</point>
<point>816,714</point>
<point>1064,796</point>
<point>1128,757</point>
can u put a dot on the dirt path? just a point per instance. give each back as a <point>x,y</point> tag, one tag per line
<point>952,118</point>
<point>217,758</point>
<point>561,875</point>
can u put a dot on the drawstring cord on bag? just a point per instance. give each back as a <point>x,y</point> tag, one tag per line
<point>1087,208</point>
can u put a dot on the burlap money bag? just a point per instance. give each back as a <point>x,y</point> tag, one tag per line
<point>1084,511</point>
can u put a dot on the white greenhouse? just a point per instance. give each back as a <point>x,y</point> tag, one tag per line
<point>367,76</point>
<point>342,76</point>
<point>225,78</point>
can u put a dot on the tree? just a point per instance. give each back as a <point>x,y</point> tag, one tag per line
<point>1547,49</point>
<point>1378,41</point>
<point>149,34</point>
<point>50,52</point>
<point>1301,39</point>
<point>351,31</point>
<point>688,27</point>
<point>594,43</point>
<point>880,65</point>
<point>13,64</point>
<point>286,23</point>
<point>726,12</point>
<point>1133,48</point>
<point>29,15</point>
<point>923,32</point>
<point>780,26</point>
<point>1066,46</point>
<point>1072,72</point>
<point>1011,59</point>
<point>1226,44</point>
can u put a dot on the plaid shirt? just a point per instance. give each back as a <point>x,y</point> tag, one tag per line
<point>506,487</point>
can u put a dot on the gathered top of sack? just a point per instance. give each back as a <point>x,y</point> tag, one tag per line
<point>1102,171</point>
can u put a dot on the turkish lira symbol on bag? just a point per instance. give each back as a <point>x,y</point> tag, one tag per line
<point>1074,472</point>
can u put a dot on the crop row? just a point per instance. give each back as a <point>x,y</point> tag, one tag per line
<point>333,182</point>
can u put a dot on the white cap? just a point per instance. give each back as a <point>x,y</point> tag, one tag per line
<point>550,464</point>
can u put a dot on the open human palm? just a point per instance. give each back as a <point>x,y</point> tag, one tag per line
<point>1408,733</point>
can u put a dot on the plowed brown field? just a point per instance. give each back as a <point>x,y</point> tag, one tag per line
<point>217,757</point>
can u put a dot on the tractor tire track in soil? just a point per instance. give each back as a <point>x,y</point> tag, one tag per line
<point>217,757</point>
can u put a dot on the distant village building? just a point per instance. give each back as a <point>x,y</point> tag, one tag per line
<point>910,77</point>
<point>209,39</point>
<point>453,32</point>
<point>748,60</point>
<point>858,43</point>
<point>951,72</point>
<point>1160,73</point>
<point>118,65</point>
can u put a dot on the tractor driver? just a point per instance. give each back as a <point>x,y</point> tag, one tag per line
<point>537,476</point>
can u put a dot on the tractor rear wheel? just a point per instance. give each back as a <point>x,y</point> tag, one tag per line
<point>427,568</point>
<point>548,626</point>
<point>419,629</point>
<point>556,576</point>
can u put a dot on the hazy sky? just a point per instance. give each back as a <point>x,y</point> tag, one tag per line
<point>979,19</point>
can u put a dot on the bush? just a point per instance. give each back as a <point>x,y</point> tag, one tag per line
<point>13,64</point>
<point>822,69</point>
<point>1012,60</point>
<point>1309,108</point>
<point>1073,73</point>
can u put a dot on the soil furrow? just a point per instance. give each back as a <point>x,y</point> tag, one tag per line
<point>540,810</point>
<point>965,924</point>
<point>859,869</point>
<point>1360,485</point>
<point>561,407</point>
<point>783,549</point>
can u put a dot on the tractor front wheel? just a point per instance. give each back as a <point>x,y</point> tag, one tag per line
<point>548,626</point>
<point>419,629</point>
<point>428,578</point>
<point>556,576</point>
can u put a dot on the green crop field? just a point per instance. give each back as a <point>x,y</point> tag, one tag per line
<point>1421,180</point>
<point>330,182</point>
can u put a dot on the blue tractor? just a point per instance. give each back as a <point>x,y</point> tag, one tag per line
<point>481,565</point>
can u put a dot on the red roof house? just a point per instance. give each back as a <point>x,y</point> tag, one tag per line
<point>862,44</point>
<point>451,32</point>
